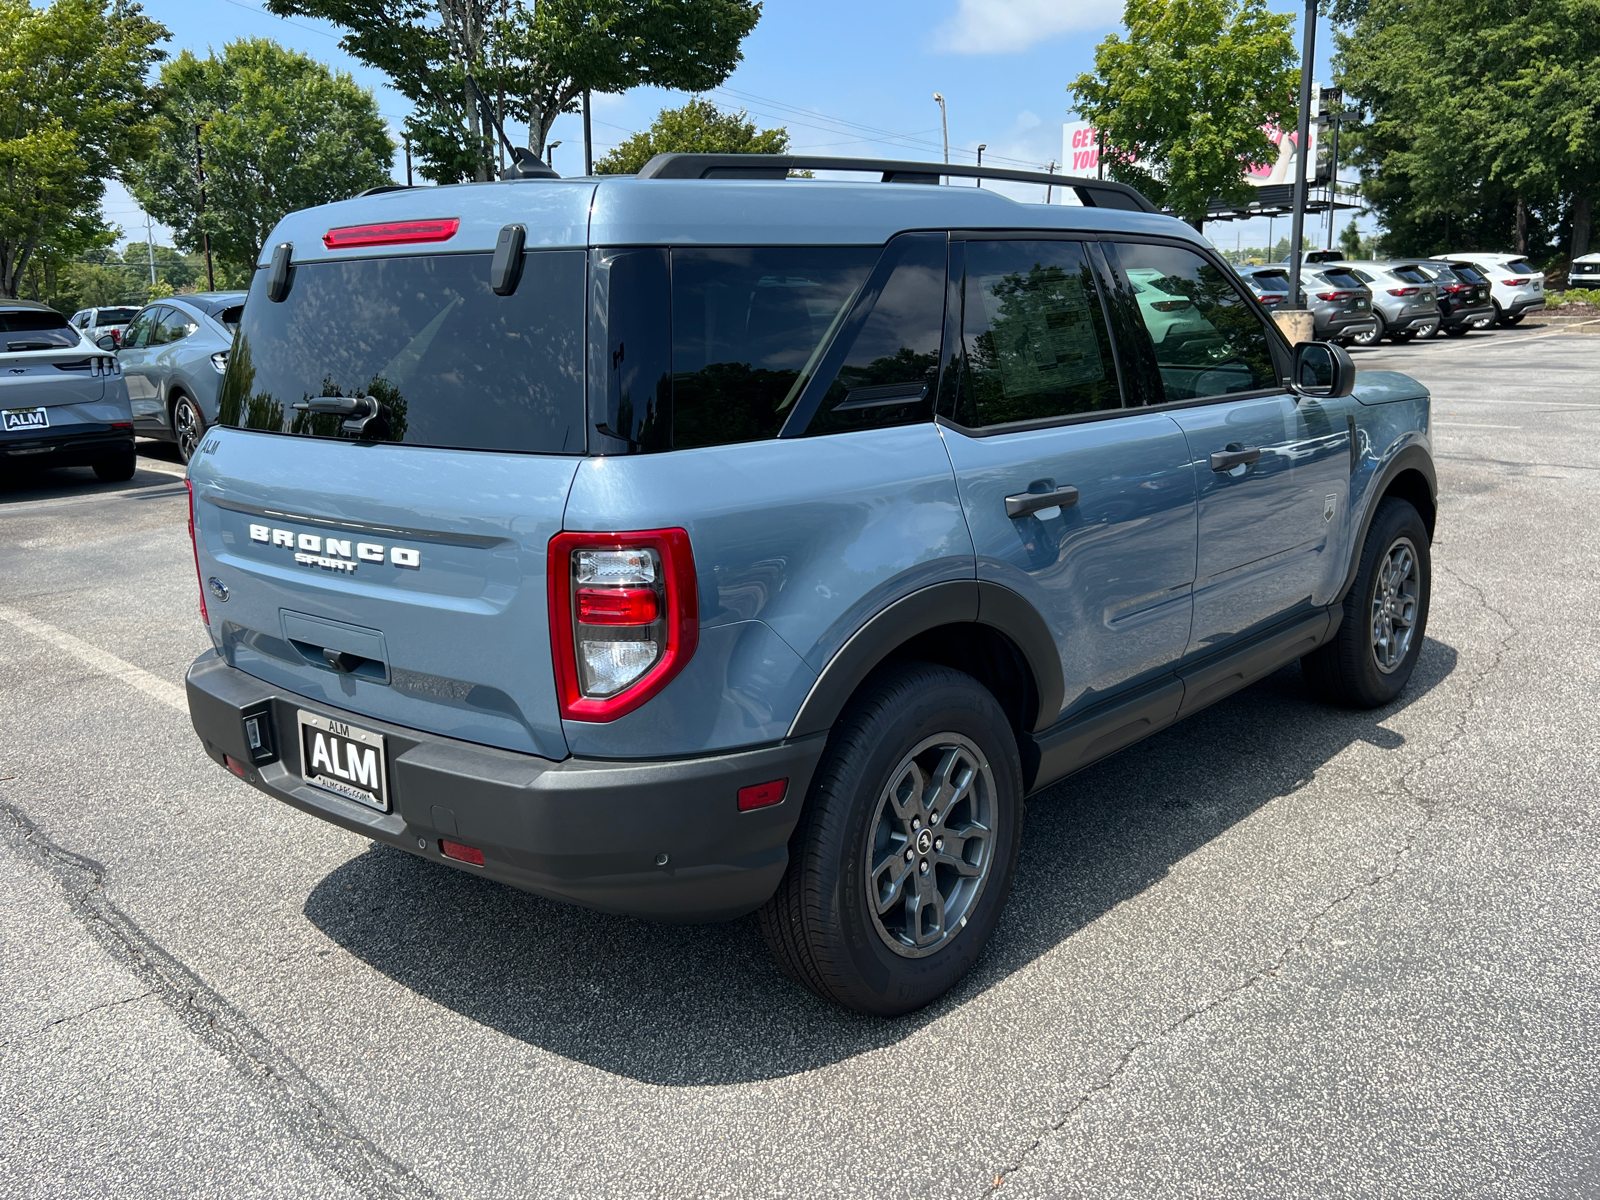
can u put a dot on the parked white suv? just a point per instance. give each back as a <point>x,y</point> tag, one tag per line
<point>1516,288</point>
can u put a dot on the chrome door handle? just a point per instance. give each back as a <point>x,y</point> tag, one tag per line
<point>1024,503</point>
<point>1227,460</point>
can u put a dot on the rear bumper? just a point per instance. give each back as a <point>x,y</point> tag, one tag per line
<point>1344,324</point>
<point>1523,304</point>
<point>583,830</point>
<point>67,447</point>
<point>1467,314</point>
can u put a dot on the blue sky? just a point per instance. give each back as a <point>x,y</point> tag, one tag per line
<point>848,77</point>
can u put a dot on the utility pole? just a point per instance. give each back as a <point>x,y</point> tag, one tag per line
<point>205,238</point>
<point>1297,225</point>
<point>1100,154</point>
<point>1334,97</point>
<point>982,146</point>
<point>406,137</point>
<point>588,137</point>
<point>150,249</point>
<point>1047,186</point>
<point>944,125</point>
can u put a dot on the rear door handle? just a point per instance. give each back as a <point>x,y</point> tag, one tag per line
<point>1227,460</point>
<point>1024,503</point>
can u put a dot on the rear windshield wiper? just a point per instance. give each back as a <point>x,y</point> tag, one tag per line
<point>361,411</point>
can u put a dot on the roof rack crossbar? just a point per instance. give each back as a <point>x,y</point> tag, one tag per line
<point>1093,193</point>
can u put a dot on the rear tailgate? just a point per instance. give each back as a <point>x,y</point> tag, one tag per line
<point>394,449</point>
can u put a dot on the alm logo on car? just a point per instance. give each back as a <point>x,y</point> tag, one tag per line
<point>334,554</point>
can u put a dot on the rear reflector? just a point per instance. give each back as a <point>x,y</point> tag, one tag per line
<point>762,795</point>
<point>461,853</point>
<point>122,424</point>
<point>389,233</point>
<point>234,765</point>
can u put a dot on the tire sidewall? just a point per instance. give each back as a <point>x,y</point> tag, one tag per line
<point>891,983</point>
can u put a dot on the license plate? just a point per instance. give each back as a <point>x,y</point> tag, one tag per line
<point>26,418</point>
<point>344,760</point>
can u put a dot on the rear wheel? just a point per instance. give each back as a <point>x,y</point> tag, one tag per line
<point>1457,331</point>
<point>907,845</point>
<point>1512,319</point>
<point>1373,336</point>
<point>1371,658</point>
<point>188,426</point>
<point>1403,336</point>
<point>118,467</point>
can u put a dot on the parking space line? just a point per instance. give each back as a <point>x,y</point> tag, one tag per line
<point>100,660</point>
<point>21,506</point>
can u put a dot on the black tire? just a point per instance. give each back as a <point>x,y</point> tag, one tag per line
<point>822,924</point>
<point>1376,336</point>
<point>1500,317</point>
<point>188,426</point>
<point>1513,319</point>
<point>1403,336</point>
<point>1426,332</point>
<point>118,467</point>
<point>1347,670</point>
<point>1457,331</point>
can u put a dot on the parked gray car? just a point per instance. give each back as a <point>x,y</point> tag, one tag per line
<point>62,400</point>
<point>173,356</point>
<point>1340,304</point>
<point>1403,299</point>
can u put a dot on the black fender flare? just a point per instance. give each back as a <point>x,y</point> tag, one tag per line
<point>1410,458</point>
<point>956,602</point>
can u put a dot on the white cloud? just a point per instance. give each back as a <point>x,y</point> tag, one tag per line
<point>1026,120</point>
<point>998,26</point>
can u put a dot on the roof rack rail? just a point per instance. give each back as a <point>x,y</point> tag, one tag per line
<point>1093,193</point>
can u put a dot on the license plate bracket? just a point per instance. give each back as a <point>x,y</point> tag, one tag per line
<point>344,759</point>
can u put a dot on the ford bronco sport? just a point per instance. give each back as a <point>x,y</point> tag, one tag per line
<point>710,541</point>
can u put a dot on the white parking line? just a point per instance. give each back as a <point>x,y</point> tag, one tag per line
<point>100,660</point>
<point>1445,425</point>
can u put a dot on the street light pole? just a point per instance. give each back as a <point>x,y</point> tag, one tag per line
<point>588,138</point>
<point>150,248</point>
<point>1297,226</point>
<point>550,154</point>
<point>982,146</point>
<point>944,126</point>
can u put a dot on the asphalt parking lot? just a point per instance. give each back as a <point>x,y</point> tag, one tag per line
<point>1276,951</point>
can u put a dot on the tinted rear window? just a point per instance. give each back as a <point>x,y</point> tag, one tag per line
<point>1441,274</point>
<point>1342,279</point>
<point>36,329</point>
<point>452,363</point>
<point>1520,266</point>
<point>1468,274</point>
<point>1271,281</point>
<point>1410,275</point>
<point>115,316</point>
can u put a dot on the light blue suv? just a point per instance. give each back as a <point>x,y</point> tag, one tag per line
<point>710,541</point>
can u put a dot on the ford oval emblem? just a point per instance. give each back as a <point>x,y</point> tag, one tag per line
<point>218,588</point>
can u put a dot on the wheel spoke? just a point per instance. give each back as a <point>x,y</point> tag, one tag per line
<point>892,871</point>
<point>905,793</point>
<point>927,896</point>
<point>952,779</point>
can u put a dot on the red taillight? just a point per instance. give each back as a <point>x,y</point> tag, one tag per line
<point>466,854</point>
<point>1403,291</point>
<point>624,618</point>
<point>122,424</point>
<point>1334,295</point>
<point>1511,282</point>
<point>388,233</point>
<point>616,606</point>
<point>195,546</point>
<point>1170,305</point>
<point>762,795</point>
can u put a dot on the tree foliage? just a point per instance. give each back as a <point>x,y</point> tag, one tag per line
<point>1182,100</point>
<point>1484,118</point>
<point>696,128</point>
<point>533,60</point>
<point>279,132</point>
<point>74,109</point>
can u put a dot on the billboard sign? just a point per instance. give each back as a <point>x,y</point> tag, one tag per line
<point>1080,153</point>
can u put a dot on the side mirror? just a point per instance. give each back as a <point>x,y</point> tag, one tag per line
<point>1322,371</point>
<point>106,343</point>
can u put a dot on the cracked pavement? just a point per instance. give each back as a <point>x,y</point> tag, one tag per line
<point>1277,950</point>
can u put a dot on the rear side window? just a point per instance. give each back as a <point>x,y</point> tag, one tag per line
<point>749,325</point>
<point>451,363</point>
<point>36,329</point>
<point>1192,325</point>
<point>1033,334</point>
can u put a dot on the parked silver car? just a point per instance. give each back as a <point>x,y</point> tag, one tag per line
<point>173,355</point>
<point>1340,304</point>
<point>62,400</point>
<point>106,321</point>
<point>1403,299</point>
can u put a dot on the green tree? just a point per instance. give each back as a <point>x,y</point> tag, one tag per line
<point>1484,119</point>
<point>1182,101</point>
<point>534,60</point>
<point>697,127</point>
<point>279,132</point>
<point>74,109</point>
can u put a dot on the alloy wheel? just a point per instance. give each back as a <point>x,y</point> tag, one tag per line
<point>1394,605</point>
<point>931,845</point>
<point>187,427</point>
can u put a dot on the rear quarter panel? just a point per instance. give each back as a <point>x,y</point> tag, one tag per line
<point>1393,415</point>
<point>797,543</point>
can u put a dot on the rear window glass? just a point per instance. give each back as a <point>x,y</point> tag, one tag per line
<point>114,316</point>
<point>1468,274</point>
<point>1441,274</point>
<point>1270,281</point>
<point>1342,279</point>
<point>1410,275</point>
<point>1520,266</point>
<point>36,329</point>
<point>451,363</point>
<point>748,326</point>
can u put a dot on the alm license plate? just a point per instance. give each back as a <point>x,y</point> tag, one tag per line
<point>344,760</point>
<point>26,418</point>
